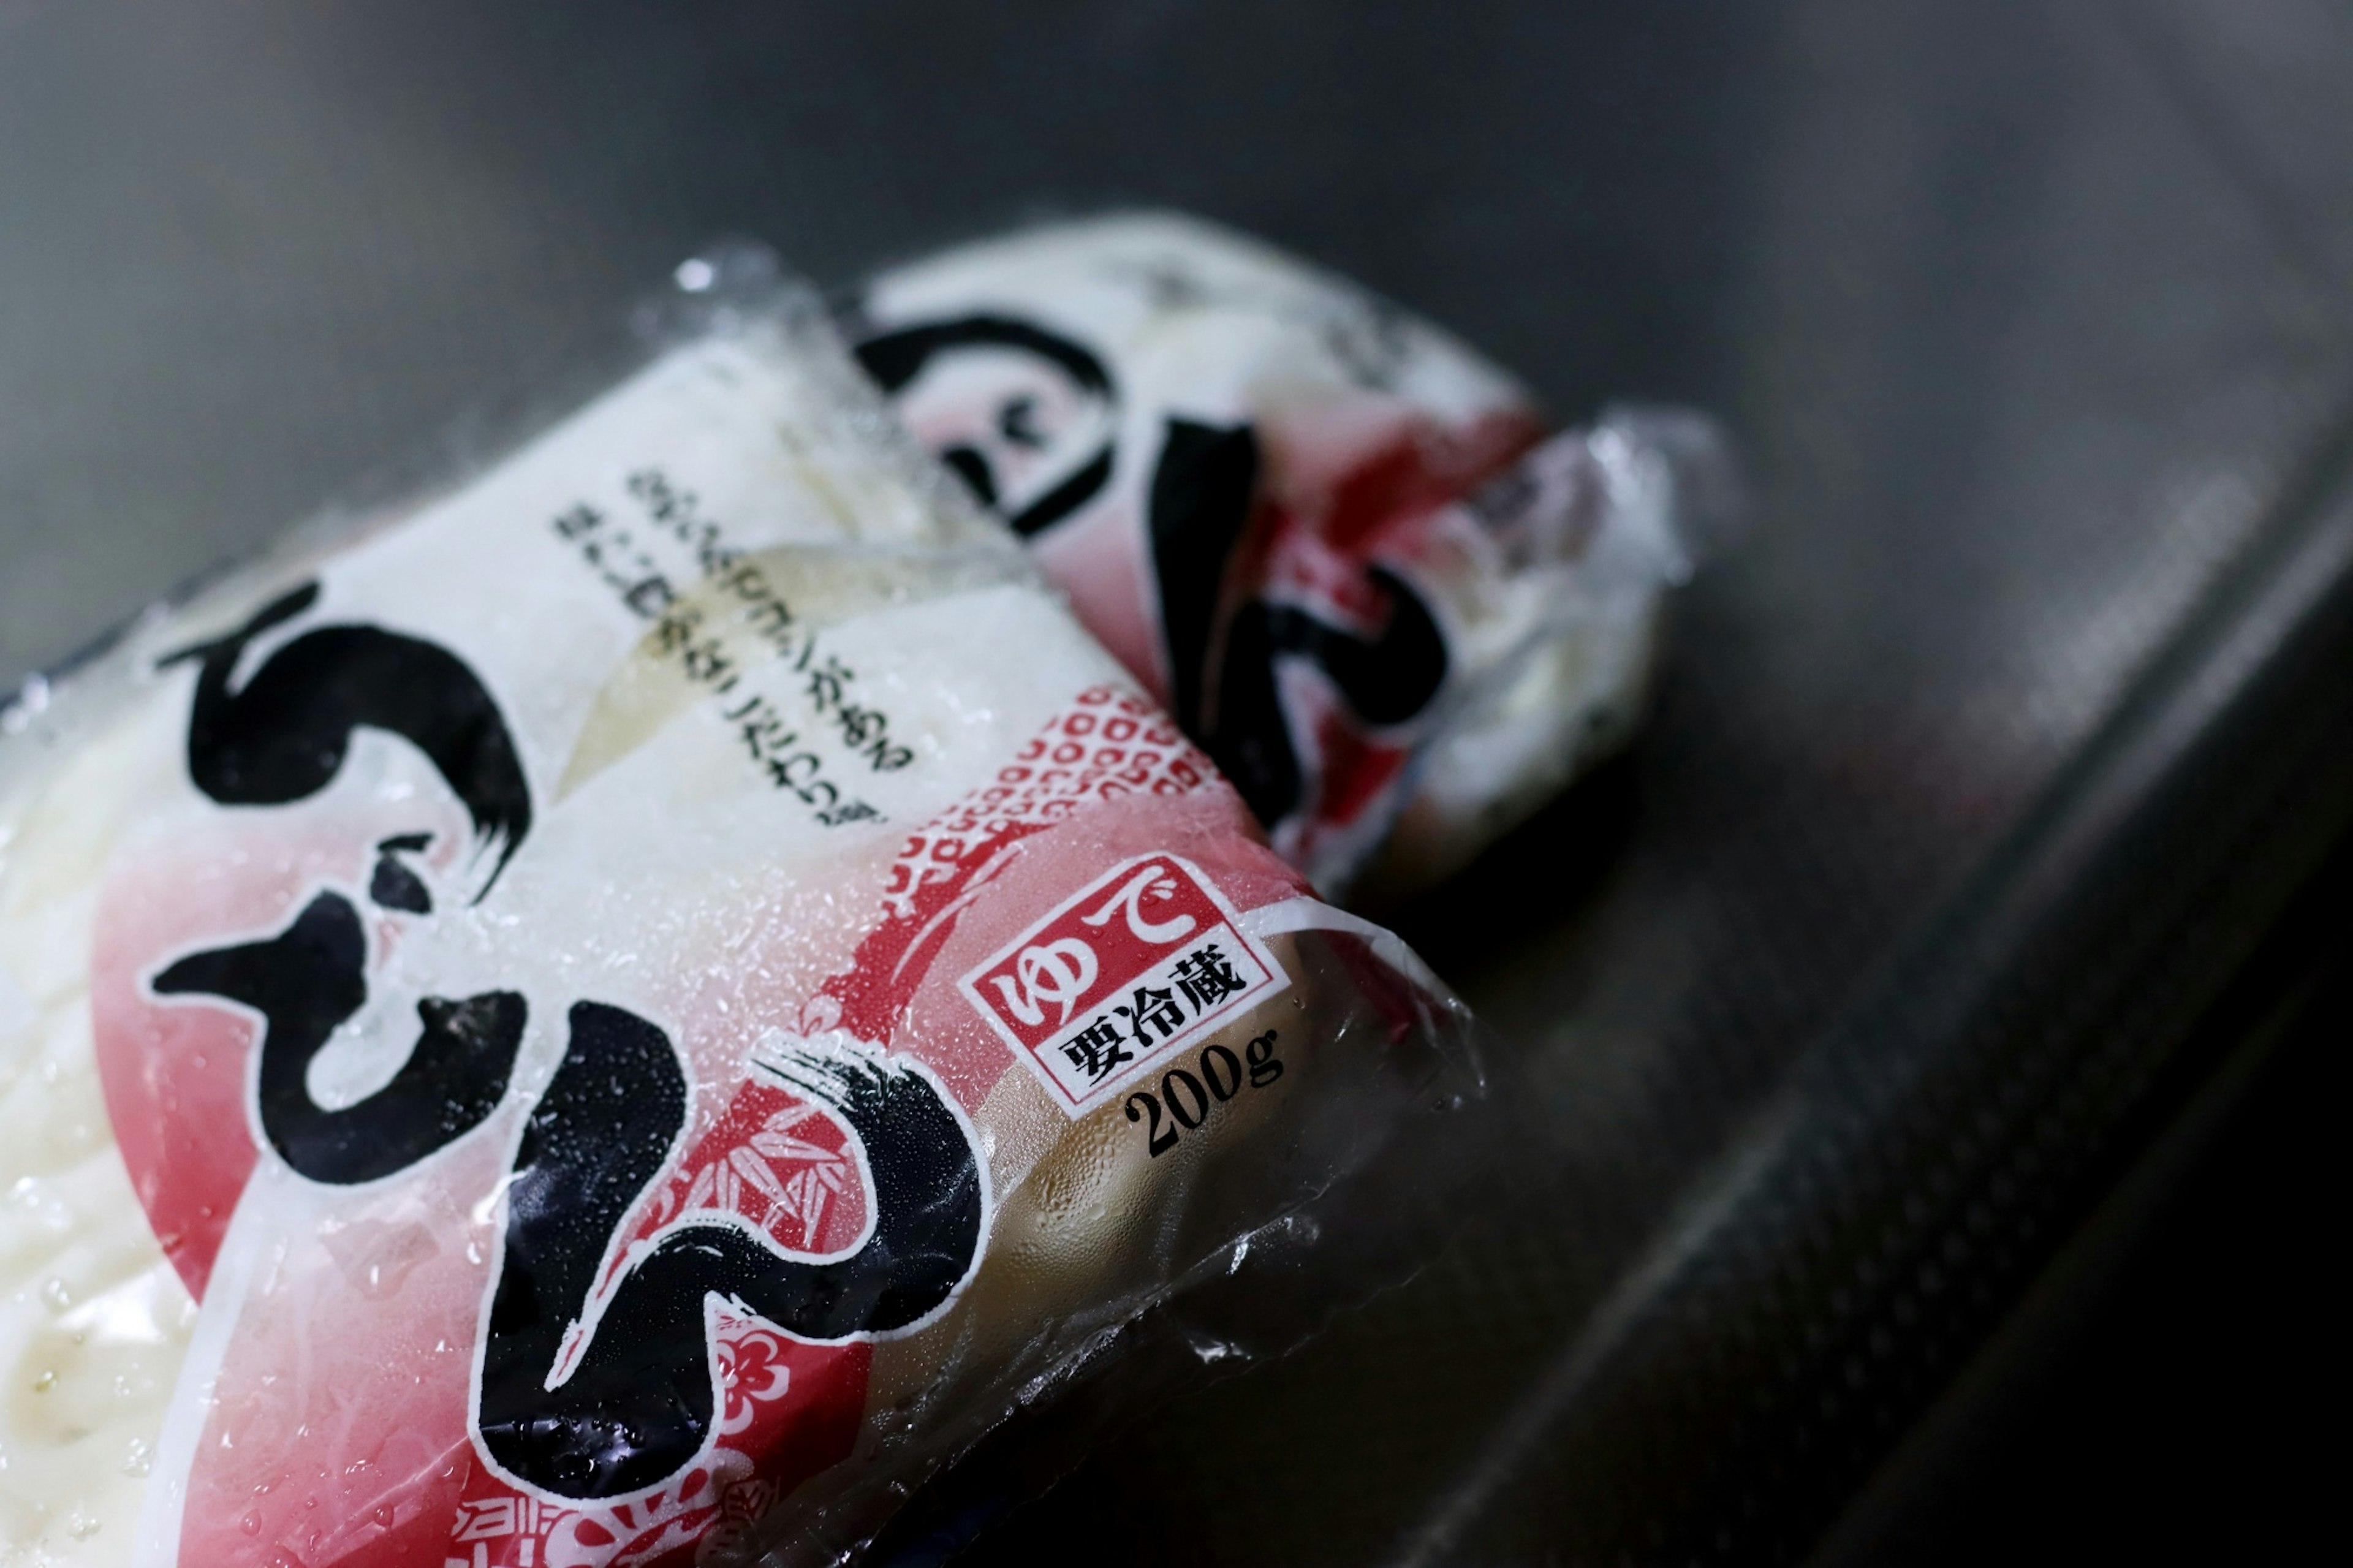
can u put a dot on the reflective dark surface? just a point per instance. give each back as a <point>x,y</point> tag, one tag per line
<point>1988,810</point>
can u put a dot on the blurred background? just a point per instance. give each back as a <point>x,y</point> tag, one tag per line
<point>1938,1011</point>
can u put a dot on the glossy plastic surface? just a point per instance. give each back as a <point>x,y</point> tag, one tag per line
<point>2034,319</point>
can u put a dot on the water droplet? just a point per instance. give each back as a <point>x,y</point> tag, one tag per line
<point>81,1526</point>
<point>251,1522</point>
<point>57,1293</point>
<point>139,1457</point>
<point>47,1381</point>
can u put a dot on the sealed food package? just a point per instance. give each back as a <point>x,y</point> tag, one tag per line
<point>628,1010</point>
<point>1331,539</point>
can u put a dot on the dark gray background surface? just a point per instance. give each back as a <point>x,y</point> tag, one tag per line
<point>2033,321</point>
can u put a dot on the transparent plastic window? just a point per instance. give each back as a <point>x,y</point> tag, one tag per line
<point>633,1007</point>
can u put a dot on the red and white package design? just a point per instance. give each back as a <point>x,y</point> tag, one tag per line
<point>1333,540</point>
<point>631,1011</point>
<point>1139,964</point>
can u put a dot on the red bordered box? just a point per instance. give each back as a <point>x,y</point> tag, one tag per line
<point>1135,966</point>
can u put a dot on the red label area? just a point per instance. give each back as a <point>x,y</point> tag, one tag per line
<point>339,1427</point>
<point>1142,961</point>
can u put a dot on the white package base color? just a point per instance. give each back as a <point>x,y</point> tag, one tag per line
<point>94,1322</point>
<point>1557,636</point>
<point>1549,586</point>
<point>96,1329</point>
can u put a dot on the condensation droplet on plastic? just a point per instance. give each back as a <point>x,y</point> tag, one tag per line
<point>32,698</point>
<point>56,1294</point>
<point>81,1526</point>
<point>138,1458</point>
<point>251,1522</point>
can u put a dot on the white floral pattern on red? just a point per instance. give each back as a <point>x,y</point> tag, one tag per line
<point>1110,742</point>
<point>751,1372</point>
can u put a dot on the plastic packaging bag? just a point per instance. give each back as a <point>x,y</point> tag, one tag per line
<point>1331,539</point>
<point>632,1009</point>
